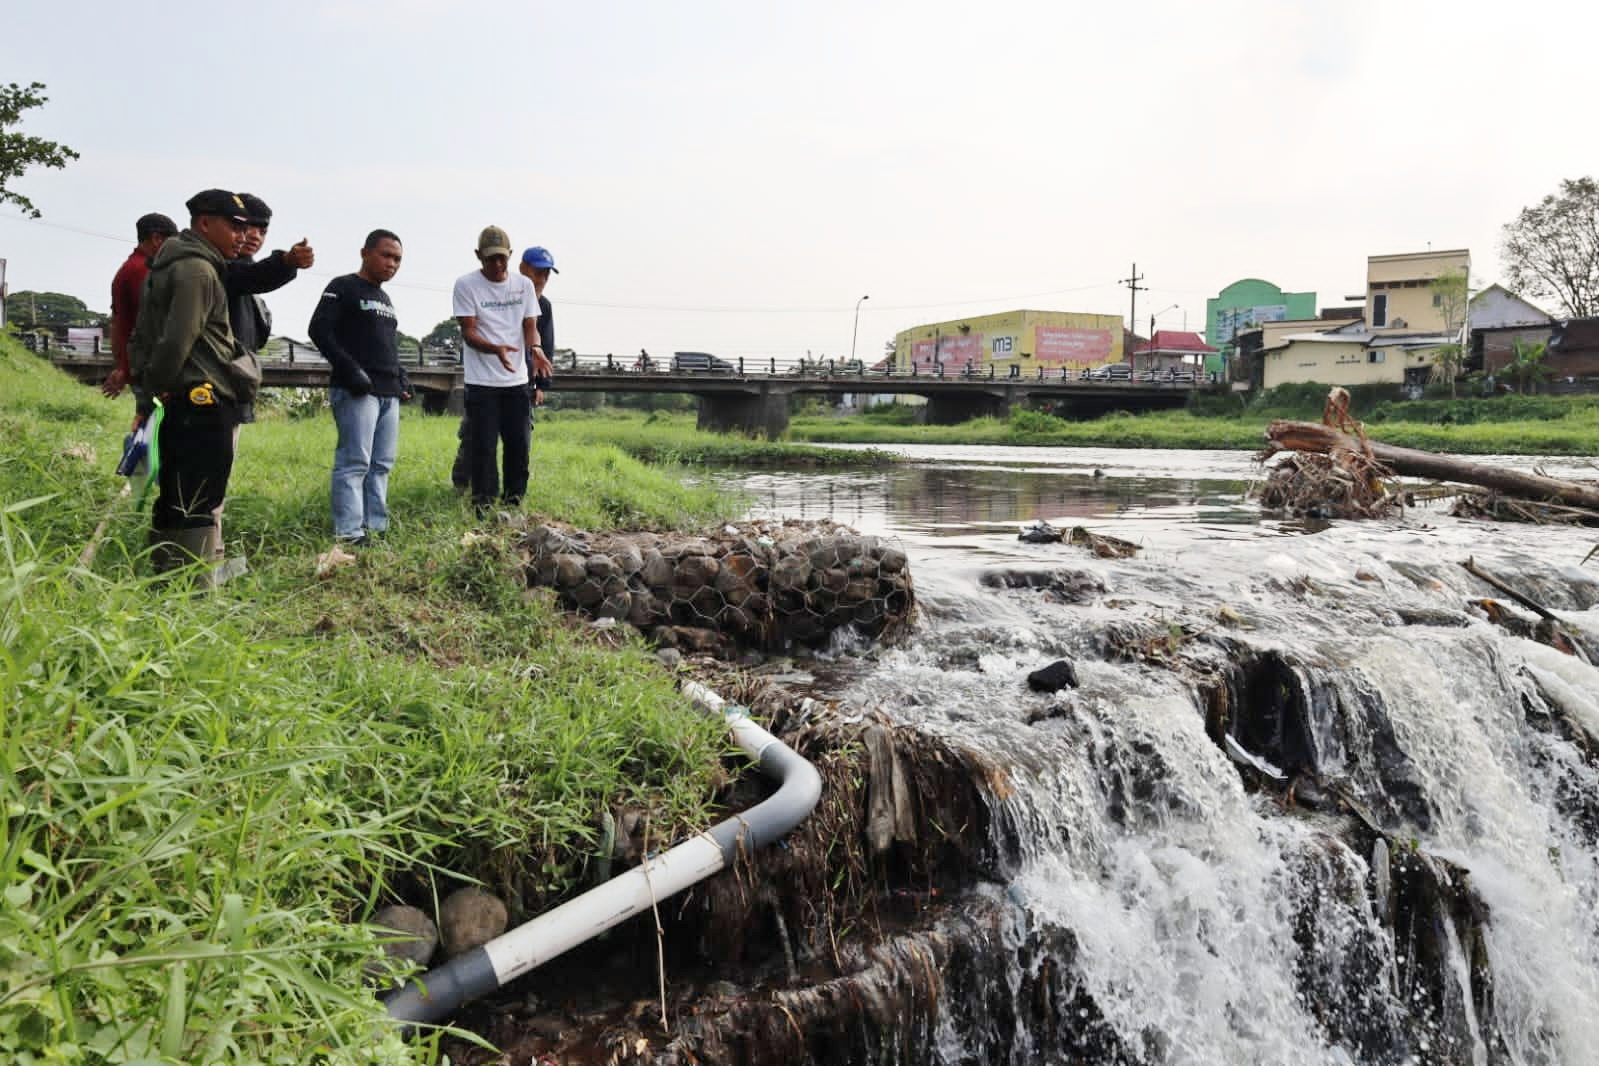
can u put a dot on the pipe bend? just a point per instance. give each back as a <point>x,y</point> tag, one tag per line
<point>435,995</point>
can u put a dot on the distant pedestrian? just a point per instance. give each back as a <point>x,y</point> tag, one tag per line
<point>355,330</point>
<point>183,353</point>
<point>498,312</point>
<point>537,265</point>
<point>127,288</point>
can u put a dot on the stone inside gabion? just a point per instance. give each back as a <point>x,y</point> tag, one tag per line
<point>770,586</point>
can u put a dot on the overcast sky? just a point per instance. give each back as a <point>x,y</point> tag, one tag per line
<point>732,177</point>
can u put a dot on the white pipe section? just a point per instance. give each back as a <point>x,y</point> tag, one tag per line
<point>572,923</point>
<point>435,995</point>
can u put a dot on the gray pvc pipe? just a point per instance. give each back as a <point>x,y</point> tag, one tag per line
<point>435,995</point>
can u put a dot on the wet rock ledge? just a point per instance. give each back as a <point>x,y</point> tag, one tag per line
<point>761,586</point>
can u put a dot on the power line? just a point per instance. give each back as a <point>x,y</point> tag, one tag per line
<point>1132,284</point>
<point>606,305</point>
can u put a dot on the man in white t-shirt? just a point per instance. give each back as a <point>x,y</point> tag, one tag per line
<point>499,315</point>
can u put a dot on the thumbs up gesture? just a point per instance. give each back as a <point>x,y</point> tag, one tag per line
<point>301,255</point>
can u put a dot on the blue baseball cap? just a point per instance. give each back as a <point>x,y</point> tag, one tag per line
<point>539,259</point>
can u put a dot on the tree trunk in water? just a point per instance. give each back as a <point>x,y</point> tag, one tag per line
<point>1409,462</point>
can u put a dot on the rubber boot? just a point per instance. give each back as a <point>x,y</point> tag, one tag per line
<point>166,551</point>
<point>224,569</point>
<point>196,544</point>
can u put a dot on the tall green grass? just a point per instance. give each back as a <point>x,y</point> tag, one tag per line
<point>1524,426</point>
<point>204,796</point>
<point>671,438</point>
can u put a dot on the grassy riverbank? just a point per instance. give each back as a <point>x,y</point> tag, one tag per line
<point>1503,425</point>
<point>671,438</point>
<point>205,795</point>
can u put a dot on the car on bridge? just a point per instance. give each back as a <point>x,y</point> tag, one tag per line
<point>1109,372</point>
<point>700,363</point>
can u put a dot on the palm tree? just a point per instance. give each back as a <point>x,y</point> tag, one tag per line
<point>1526,364</point>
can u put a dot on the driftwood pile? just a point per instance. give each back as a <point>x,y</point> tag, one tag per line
<point>1332,470</point>
<point>1335,471</point>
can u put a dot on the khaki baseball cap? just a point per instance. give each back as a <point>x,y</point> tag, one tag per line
<point>493,241</point>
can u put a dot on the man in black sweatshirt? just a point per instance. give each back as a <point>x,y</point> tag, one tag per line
<point>355,330</point>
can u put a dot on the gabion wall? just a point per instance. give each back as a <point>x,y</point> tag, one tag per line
<point>771,586</point>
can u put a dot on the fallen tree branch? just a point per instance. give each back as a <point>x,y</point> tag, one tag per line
<point>1410,462</point>
<point>1532,605</point>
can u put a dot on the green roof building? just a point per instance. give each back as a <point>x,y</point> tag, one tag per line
<point>1250,302</point>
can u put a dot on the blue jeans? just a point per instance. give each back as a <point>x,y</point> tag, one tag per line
<point>369,439</point>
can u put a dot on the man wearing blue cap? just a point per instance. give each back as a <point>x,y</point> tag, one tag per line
<point>537,266</point>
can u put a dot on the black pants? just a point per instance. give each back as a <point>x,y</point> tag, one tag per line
<point>498,414</point>
<point>461,469</point>
<point>196,461</point>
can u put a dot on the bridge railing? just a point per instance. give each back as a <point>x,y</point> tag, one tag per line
<point>287,350</point>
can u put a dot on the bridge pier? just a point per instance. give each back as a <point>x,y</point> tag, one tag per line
<point>763,415</point>
<point>442,401</point>
<point>953,408</point>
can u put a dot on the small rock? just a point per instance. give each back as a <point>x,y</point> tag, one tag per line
<point>695,570</point>
<point>1040,533</point>
<point>630,559</point>
<point>415,935</point>
<point>1044,714</point>
<point>469,918</point>
<point>569,570</point>
<point>1054,677</point>
<point>697,638</point>
<point>791,572</point>
<point>615,605</point>
<point>657,571</point>
<point>669,657</point>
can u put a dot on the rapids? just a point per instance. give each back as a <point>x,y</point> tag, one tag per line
<point>1422,883</point>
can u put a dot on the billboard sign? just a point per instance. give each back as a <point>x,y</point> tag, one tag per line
<point>1232,319</point>
<point>1059,346</point>
<point>955,352</point>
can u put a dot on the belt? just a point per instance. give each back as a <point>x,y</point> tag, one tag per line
<point>202,395</point>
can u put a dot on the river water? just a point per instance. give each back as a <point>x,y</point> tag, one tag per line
<point>1173,808</point>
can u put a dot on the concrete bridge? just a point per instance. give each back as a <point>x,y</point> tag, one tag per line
<point>758,402</point>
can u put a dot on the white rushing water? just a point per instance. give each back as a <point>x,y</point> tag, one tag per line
<point>1219,924</point>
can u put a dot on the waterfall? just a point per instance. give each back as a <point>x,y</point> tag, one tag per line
<point>1420,886</point>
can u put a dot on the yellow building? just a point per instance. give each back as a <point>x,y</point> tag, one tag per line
<point>1400,294</point>
<point>1408,317</point>
<point>1023,339</point>
<point>1354,356</point>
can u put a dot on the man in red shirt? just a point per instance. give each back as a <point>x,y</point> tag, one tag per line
<point>126,289</point>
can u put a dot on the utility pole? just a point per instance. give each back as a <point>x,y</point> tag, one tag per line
<point>1132,284</point>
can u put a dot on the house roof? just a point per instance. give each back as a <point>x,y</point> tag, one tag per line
<point>1535,314</point>
<point>1345,335</point>
<point>1575,334</point>
<point>1174,342</point>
